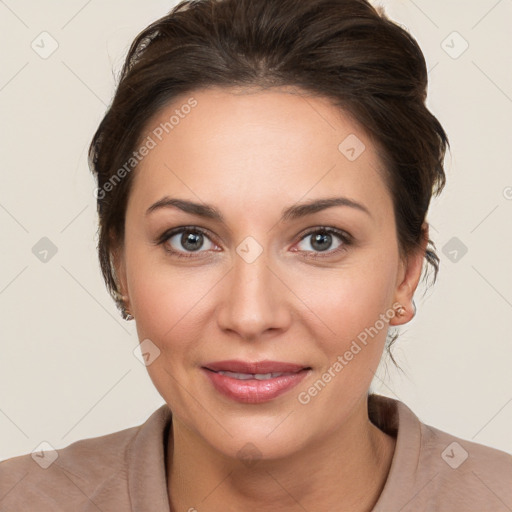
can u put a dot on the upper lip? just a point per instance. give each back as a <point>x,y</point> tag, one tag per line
<point>237,366</point>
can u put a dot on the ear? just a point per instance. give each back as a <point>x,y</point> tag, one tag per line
<point>408,279</point>
<point>119,268</point>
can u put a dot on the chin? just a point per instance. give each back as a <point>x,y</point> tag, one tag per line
<point>258,436</point>
<point>252,447</point>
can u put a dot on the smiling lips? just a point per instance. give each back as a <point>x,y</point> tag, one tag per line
<point>254,382</point>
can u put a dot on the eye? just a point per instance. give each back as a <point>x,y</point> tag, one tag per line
<point>320,240</point>
<point>184,241</point>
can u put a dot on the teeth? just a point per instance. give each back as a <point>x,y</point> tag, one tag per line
<point>247,376</point>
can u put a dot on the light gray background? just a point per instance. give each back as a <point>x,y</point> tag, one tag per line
<point>67,366</point>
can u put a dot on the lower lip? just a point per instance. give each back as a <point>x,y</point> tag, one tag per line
<point>253,391</point>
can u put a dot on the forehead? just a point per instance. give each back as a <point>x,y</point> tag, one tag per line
<point>246,145</point>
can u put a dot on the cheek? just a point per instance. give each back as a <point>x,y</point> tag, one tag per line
<point>169,304</point>
<point>169,312</point>
<point>349,299</point>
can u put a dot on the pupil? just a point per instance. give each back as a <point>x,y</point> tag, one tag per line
<point>322,238</point>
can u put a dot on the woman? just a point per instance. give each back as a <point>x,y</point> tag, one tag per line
<point>264,174</point>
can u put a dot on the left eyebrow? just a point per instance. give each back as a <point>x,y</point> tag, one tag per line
<point>301,210</point>
<point>290,213</point>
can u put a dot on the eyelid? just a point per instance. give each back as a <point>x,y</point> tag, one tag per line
<point>344,235</point>
<point>346,240</point>
<point>170,233</point>
<point>180,229</point>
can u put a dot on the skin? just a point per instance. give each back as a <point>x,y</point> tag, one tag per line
<point>251,155</point>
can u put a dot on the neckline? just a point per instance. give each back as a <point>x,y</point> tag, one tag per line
<point>395,418</point>
<point>147,463</point>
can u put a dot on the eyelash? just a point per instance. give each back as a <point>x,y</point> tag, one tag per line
<point>345,238</point>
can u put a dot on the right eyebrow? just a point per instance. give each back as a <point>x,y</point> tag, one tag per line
<point>201,210</point>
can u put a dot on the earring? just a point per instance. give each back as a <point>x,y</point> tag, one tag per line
<point>127,315</point>
<point>400,311</point>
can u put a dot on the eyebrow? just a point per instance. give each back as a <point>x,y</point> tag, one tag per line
<point>290,213</point>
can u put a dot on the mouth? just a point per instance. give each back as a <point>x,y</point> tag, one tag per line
<point>254,382</point>
<point>249,376</point>
<point>254,368</point>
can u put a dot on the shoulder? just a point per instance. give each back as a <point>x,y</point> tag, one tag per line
<point>86,474</point>
<point>433,470</point>
<point>469,472</point>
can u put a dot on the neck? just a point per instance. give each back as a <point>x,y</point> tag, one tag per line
<point>343,471</point>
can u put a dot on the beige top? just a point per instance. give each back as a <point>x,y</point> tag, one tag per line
<point>431,470</point>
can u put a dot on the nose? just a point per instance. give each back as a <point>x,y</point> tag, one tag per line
<point>254,300</point>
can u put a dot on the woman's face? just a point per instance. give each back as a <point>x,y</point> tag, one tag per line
<point>247,271</point>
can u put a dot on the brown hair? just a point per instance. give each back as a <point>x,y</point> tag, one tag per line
<point>344,50</point>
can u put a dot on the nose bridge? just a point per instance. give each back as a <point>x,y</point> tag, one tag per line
<point>253,302</point>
